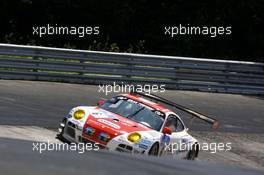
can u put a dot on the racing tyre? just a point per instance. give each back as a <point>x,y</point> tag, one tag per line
<point>154,150</point>
<point>192,154</point>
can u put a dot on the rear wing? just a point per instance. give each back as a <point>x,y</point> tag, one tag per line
<point>210,120</point>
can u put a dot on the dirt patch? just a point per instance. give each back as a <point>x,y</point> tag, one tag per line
<point>247,149</point>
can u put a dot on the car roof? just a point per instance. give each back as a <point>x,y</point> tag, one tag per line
<point>147,102</point>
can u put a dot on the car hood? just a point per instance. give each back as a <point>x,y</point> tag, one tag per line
<point>112,123</point>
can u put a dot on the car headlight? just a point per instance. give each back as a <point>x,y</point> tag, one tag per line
<point>79,114</point>
<point>134,137</point>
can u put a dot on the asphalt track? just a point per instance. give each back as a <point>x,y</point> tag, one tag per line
<point>42,104</point>
<point>28,162</point>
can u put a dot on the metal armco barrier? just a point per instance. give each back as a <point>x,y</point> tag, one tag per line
<point>91,67</point>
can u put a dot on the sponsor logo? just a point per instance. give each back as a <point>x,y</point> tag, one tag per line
<point>113,125</point>
<point>165,139</point>
<point>144,144</point>
<point>102,114</point>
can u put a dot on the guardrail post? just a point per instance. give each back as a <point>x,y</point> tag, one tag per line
<point>227,66</point>
<point>81,72</point>
<point>35,57</point>
<point>130,66</point>
<point>176,70</point>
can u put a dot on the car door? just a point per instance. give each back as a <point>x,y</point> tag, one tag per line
<point>177,136</point>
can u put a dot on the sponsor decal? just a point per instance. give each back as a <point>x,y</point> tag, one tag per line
<point>186,139</point>
<point>126,124</point>
<point>121,140</point>
<point>147,101</point>
<point>165,139</point>
<point>144,144</point>
<point>123,132</point>
<point>113,125</point>
<point>102,114</point>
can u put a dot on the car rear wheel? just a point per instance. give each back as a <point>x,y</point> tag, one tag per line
<point>192,154</point>
<point>154,150</point>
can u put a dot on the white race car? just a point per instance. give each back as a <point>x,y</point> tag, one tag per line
<point>133,123</point>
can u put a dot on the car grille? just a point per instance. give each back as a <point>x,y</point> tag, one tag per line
<point>70,129</point>
<point>124,148</point>
<point>71,124</point>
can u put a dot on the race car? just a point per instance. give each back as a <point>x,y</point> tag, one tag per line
<point>135,123</point>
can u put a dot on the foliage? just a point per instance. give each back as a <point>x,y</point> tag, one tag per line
<point>138,26</point>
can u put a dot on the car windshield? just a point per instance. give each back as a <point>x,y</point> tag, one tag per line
<point>135,111</point>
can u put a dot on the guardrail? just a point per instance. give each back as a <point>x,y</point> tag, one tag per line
<point>91,67</point>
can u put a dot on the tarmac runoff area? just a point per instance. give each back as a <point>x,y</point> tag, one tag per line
<point>31,112</point>
<point>247,149</point>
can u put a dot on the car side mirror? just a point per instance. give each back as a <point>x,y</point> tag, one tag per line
<point>100,102</point>
<point>166,130</point>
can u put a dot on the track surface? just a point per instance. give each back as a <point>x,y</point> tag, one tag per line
<point>27,108</point>
<point>98,163</point>
<point>44,104</point>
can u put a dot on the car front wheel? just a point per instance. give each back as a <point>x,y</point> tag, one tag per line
<point>154,150</point>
